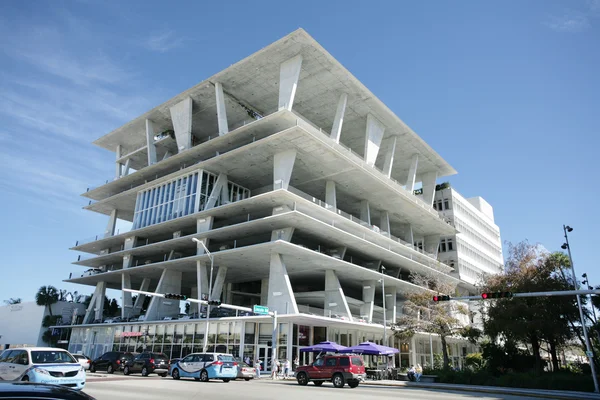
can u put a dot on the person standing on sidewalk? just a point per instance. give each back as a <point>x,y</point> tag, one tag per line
<point>286,368</point>
<point>418,372</point>
<point>257,366</point>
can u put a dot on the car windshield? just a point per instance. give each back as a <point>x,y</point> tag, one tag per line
<point>225,358</point>
<point>51,357</point>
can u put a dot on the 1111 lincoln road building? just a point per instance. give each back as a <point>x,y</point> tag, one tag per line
<point>312,197</point>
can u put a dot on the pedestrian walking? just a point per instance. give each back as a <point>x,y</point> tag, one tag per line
<point>286,368</point>
<point>418,372</point>
<point>257,366</point>
<point>274,369</point>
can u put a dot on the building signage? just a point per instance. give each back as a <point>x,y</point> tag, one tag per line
<point>131,334</point>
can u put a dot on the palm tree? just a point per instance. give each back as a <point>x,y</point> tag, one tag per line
<point>46,296</point>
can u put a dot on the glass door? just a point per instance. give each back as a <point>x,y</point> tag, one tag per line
<point>264,355</point>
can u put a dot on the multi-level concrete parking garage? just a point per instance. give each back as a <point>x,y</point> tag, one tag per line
<point>300,183</point>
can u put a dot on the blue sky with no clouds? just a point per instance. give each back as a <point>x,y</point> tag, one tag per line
<point>508,92</point>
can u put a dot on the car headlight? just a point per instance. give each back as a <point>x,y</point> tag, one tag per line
<point>41,371</point>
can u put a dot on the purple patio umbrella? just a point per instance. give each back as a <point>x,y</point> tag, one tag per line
<point>371,349</point>
<point>324,347</point>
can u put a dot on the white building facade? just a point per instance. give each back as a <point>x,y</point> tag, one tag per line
<point>300,183</point>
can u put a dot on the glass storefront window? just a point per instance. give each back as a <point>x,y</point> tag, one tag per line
<point>303,335</point>
<point>319,334</point>
<point>249,333</point>
<point>283,333</point>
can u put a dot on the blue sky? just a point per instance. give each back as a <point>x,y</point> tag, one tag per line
<point>508,92</point>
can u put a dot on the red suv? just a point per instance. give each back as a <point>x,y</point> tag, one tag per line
<point>339,369</point>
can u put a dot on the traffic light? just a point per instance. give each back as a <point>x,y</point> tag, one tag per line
<point>214,303</point>
<point>175,296</point>
<point>442,297</point>
<point>496,295</point>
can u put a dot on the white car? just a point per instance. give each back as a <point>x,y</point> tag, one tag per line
<point>42,365</point>
<point>83,360</point>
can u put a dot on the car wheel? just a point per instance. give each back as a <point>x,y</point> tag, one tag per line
<point>92,368</point>
<point>302,379</point>
<point>204,376</point>
<point>175,374</point>
<point>353,384</point>
<point>226,380</point>
<point>25,379</point>
<point>338,381</point>
<point>144,371</point>
<point>110,370</point>
<point>126,371</point>
<point>246,379</point>
<point>318,383</point>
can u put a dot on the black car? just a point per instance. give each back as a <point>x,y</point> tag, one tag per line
<point>147,363</point>
<point>111,361</point>
<point>26,390</point>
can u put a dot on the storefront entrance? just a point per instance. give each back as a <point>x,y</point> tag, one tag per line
<point>264,355</point>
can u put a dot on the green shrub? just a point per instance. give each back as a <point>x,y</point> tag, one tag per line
<point>50,320</point>
<point>474,361</point>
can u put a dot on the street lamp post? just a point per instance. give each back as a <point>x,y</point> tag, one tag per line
<point>588,352</point>
<point>212,263</point>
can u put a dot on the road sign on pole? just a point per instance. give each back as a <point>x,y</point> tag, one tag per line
<point>262,310</point>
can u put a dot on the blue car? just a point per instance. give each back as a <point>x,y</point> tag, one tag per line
<point>205,366</point>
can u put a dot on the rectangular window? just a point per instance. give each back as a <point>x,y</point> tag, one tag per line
<point>446,204</point>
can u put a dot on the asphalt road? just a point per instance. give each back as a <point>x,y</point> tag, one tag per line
<point>118,387</point>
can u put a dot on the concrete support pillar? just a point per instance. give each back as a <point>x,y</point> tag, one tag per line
<point>330,195</point>
<point>139,301</point>
<point>96,308</point>
<point>181,114</point>
<point>365,212</point>
<point>336,129</point>
<point>202,279</point>
<point>130,243</point>
<point>390,304</point>
<point>282,234</point>
<point>194,295</point>
<point>219,192</point>
<point>283,164</point>
<point>204,225</point>
<point>412,173</point>
<point>429,187</point>
<point>217,289</point>
<point>264,291</point>
<point>366,310</point>
<point>335,300</point>
<point>407,234</point>
<point>339,252</point>
<point>150,142</point>
<point>432,244</point>
<point>373,137</point>
<point>384,223</point>
<point>118,163</point>
<point>389,157</point>
<point>280,288</point>
<point>221,110</point>
<point>228,297</point>
<point>170,282</point>
<point>289,72</point>
<point>112,224</point>
<point>126,297</point>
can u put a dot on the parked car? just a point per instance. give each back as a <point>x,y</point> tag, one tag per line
<point>339,369</point>
<point>147,363</point>
<point>245,371</point>
<point>28,390</point>
<point>111,361</point>
<point>42,365</point>
<point>205,366</point>
<point>83,360</point>
<point>113,320</point>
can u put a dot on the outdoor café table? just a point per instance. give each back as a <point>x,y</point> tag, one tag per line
<point>374,374</point>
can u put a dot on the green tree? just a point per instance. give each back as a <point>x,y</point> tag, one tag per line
<point>46,296</point>
<point>421,314</point>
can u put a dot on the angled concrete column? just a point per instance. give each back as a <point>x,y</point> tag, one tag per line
<point>204,225</point>
<point>170,282</point>
<point>139,301</point>
<point>407,233</point>
<point>150,142</point>
<point>264,291</point>
<point>384,223</point>
<point>167,155</point>
<point>373,137</point>
<point>289,72</point>
<point>389,157</point>
<point>335,300</point>
<point>282,234</point>
<point>217,191</point>
<point>432,244</point>
<point>366,310</point>
<point>118,164</point>
<point>202,279</point>
<point>217,288</point>
<point>228,298</point>
<point>194,306</point>
<point>283,164</point>
<point>372,265</point>
<point>330,195</point>
<point>130,243</point>
<point>336,129</point>
<point>221,110</point>
<point>96,307</point>
<point>280,288</point>
<point>365,212</point>
<point>112,224</point>
<point>181,114</point>
<point>390,304</point>
<point>126,297</point>
<point>412,173</point>
<point>429,187</point>
<point>339,252</point>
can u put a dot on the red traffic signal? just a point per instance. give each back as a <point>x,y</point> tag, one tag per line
<point>441,298</point>
<point>496,295</point>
